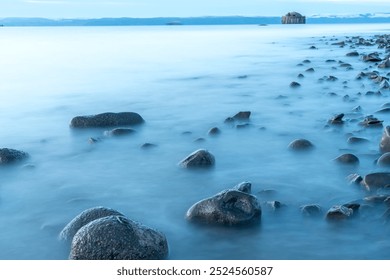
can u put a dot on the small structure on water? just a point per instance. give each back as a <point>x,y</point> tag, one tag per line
<point>293,18</point>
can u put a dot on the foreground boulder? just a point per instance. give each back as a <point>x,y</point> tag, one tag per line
<point>84,218</point>
<point>377,180</point>
<point>384,145</point>
<point>230,207</point>
<point>106,120</point>
<point>118,238</point>
<point>199,158</point>
<point>9,156</point>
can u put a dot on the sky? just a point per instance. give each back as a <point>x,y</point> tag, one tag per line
<point>185,8</point>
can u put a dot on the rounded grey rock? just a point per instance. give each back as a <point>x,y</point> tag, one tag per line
<point>118,238</point>
<point>106,120</point>
<point>230,207</point>
<point>347,159</point>
<point>245,187</point>
<point>9,156</point>
<point>384,159</point>
<point>84,218</point>
<point>300,145</point>
<point>199,158</point>
<point>376,180</point>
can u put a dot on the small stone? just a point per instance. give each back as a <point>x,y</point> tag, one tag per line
<point>311,70</point>
<point>200,158</point>
<point>311,210</point>
<point>354,53</point>
<point>354,179</point>
<point>357,140</point>
<point>119,132</point>
<point>371,121</point>
<point>337,119</point>
<point>295,84</point>
<point>245,187</point>
<point>339,212</point>
<point>214,131</point>
<point>384,159</point>
<point>243,115</point>
<point>148,146</point>
<point>377,180</point>
<point>106,120</point>
<point>384,145</point>
<point>385,64</point>
<point>300,145</point>
<point>347,159</point>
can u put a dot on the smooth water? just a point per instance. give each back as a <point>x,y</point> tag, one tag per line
<point>186,79</point>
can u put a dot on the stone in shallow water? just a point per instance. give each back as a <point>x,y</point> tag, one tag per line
<point>377,180</point>
<point>339,212</point>
<point>106,120</point>
<point>9,156</point>
<point>243,115</point>
<point>245,187</point>
<point>118,238</point>
<point>384,145</point>
<point>347,159</point>
<point>295,84</point>
<point>301,145</point>
<point>311,210</point>
<point>119,132</point>
<point>384,159</point>
<point>199,158</point>
<point>230,207</point>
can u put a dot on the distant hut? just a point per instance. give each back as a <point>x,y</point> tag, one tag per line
<point>293,18</point>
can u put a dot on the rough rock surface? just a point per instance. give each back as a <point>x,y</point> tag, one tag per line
<point>199,158</point>
<point>230,207</point>
<point>9,156</point>
<point>118,238</point>
<point>339,212</point>
<point>106,120</point>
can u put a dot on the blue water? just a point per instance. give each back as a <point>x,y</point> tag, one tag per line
<point>182,79</point>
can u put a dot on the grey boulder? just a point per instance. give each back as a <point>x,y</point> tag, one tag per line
<point>9,156</point>
<point>377,180</point>
<point>300,145</point>
<point>198,159</point>
<point>106,120</point>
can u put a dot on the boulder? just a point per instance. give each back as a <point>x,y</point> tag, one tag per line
<point>384,145</point>
<point>230,207</point>
<point>84,218</point>
<point>118,238</point>
<point>371,121</point>
<point>377,180</point>
<point>300,145</point>
<point>339,212</point>
<point>384,160</point>
<point>372,57</point>
<point>347,159</point>
<point>337,119</point>
<point>9,156</point>
<point>199,158</point>
<point>106,120</point>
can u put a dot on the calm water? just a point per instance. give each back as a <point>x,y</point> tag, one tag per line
<point>182,79</point>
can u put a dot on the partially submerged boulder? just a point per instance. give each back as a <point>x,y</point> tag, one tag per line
<point>106,120</point>
<point>301,145</point>
<point>347,159</point>
<point>339,212</point>
<point>384,145</point>
<point>9,156</point>
<point>230,207</point>
<point>200,158</point>
<point>377,180</point>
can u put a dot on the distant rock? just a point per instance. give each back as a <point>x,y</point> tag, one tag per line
<point>10,156</point>
<point>243,115</point>
<point>357,140</point>
<point>118,238</point>
<point>106,120</point>
<point>300,145</point>
<point>337,119</point>
<point>199,158</point>
<point>371,121</point>
<point>385,64</point>
<point>384,145</point>
<point>372,57</point>
<point>230,207</point>
<point>295,84</point>
<point>214,131</point>
<point>84,218</point>
<point>148,146</point>
<point>354,53</point>
<point>245,187</point>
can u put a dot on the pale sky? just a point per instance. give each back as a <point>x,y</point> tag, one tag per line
<point>185,8</point>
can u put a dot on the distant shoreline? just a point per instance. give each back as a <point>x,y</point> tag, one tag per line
<point>209,20</point>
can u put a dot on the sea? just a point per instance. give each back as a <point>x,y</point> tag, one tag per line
<point>185,80</point>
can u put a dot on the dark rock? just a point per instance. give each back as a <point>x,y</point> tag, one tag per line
<point>118,238</point>
<point>230,207</point>
<point>243,115</point>
<point>346,65</point>
<point>311,210</point>
<point>10,156</point>
<point>377,180</point>
<point>229,120</point>
<point>383,111</point>
<point>372,57</point>
<point>92,140</point>
<point>306,61</point>
<point>300,145</point>
<point>384,159</point>
<point>106,120</point>
<point>384,145</point>
<point>119,132</point>
<point>273,205</point>
<point>341,43</point>
<point>331,79</point>
<point>295,84</point>
<point>355,178</point>
<point>384,85</point>
<point>354,53</point>
<point>357,109</point>
<point>199,158</point>
<point>200,140</point>
<point>347,159</point>
<point>352,205</point>
<point>310,70</point>
<point>385,64</point>
<point>84,218</point>
<point>300,76</point>
<point>243,125</point>
<point>376,199</point>
<point>313,48</point>
<point>148,145</point>
<point>245,187</point>
<point>371,121</point>
<point>330,61</point>
<point>357,140</point>
<point>214,131</point>
<point>339,212</point>
<point>337,119</point>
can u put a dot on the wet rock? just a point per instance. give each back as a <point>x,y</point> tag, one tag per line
<point>339,212</point>
<point>352,205</point>
<point>245,187</point>
<point>243,125</point>
<point>384,85</point>
<point>273,205</point>
<point>243,115</point>
<point>295,84</point>
<point>354,53</point>
<point>383,111</point>
<point>92,140</point>
<point>300,145</point>
<point>384,159</point>
<point>200,140</point>
<point>10,156</point>
<point>385,64</point>
<point>84,218</point>
<point>376,199</point>
<point>357,109</point>
<point>311,210</point>
<point>229,120</point>
<point>306,61</point>
<point>331,78</point>
<point>119,132</point>
<point>214,131</point>
<point>341,43</point>
<point>330,61</point>
<point>118,238</point>
<point>354,179</point>
<point>311,70</point>
<point>313,48</point>
<point>357,140</point>
<point>377,180</point>
<point>346,65</point>
<point>200,158</point>
<point>347,159</point>
<point>371,121</point>
<point>230,207</point>
<point>337,119</point>
<point>106,120</point>
<point>301,76</point>
<point>372,57</point>
<point>384,145</point>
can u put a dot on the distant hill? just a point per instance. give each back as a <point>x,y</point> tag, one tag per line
<point>210,20</point>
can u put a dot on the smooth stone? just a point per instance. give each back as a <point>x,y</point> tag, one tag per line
<point>243,115</point>
<point>384,145</point>
<point>376,180</point>
<point>311,210</point>
<point>84,218</point>
<point>357,140</point>
<point>384,160</point>
<point>354,179</point>
<point>230,207</point>
<point>199,158</point>
<point>106,120</point>
<point>148,145</point>
<point>300,145</point>
<point>301,76</point>
<point>337,119</point>
<point>384,85</point>
<point>339,212</point>
<point>376,199</point>
<point>354,53</point>
<point>214,131</point>
<point>10,156</point>
<point>119,132</point>
<point>310,70</point>
<point>347,159</point>
<point>372,57</point>
<point>371,121</point>
<point>331,79</point>
<point>383,111</point>
<point>118,238</point>
<point>295,84</point>
<point>273,205</point>
<point>245,187</point>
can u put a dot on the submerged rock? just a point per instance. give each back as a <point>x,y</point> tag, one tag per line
<point>214,131</point>
<point>84,218</point>
<point>106,120</point>
<point>295,84</point>
<point>377,180</point>
<point>354,53</point>
<point>118,238</point>
<point>300,145</point>
<point>347,159</point>
<point>230,207</point>
<point>384,159</point>
<point>311,210</point>
<point>371,121</point>
<point>384,145</point>
<point>199,158</point>
<point>372,57</point>
<point>9,156</point>
<point>385,64</point>
<point>357,140</point>
<point>337,119</point>
<point>339,212</point>
<point>119,132</point>
<point>243,115</point>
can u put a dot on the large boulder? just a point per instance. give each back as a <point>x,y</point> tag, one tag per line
<point>84,218</point>
<point>9,156</point>
<point>377,180</point>
<point>106,120</point>
<point>199,158</point>
<point>118,238</point>
<point>230,207</point>
<point>384,145</point>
